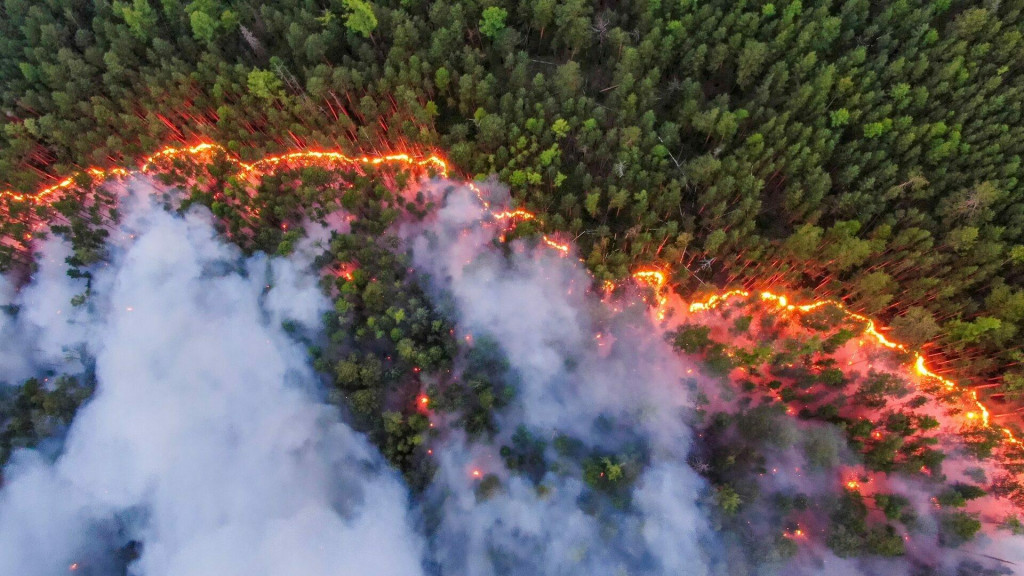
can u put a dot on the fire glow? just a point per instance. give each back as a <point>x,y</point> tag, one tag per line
<point>652,277</point>
<point>797,534</point>
<point>655,279</point>
<point>870,330</point>
<point>563,248</point>
<point>266,165</point>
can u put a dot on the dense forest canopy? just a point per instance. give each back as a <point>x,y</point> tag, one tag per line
<point>864,152</point>
<point>858,149</point>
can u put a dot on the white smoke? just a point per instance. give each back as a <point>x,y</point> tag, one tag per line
<point>535,303</point>
<point>205,439</point>
<point>47,329</point>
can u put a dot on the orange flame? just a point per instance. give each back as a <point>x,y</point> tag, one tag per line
<point>871,330</point>
<point>650,277</point>
<point>563,248</point>
<point>479,194</point>
<point>346,271</point>
<point>519,214</point>
<point>264,165</point>
<point>797,534</point>
<point>655,279</point>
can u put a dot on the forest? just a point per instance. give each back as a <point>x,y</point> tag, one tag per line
<point>771,387</point>
<point>853,149</point>
<point>863,152</point>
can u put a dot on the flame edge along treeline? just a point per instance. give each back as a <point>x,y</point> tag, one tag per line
<point>514,222</point>
<point>435,164</point>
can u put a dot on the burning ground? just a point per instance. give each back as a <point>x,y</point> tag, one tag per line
<point>424,379</point>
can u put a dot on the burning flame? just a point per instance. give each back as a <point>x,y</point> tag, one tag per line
<point>646,276</point>
<point>651,277</point>
<point>264,165</point>
<point>346,271</point>
<point>870,330</point>
<point>563,248</point>
<point>797,534</point>
<point>479,194</point>
<point>655,279</point>
<point>518,214</point>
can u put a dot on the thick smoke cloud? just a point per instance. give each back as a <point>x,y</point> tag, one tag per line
<point>205,439</point>
<point>619,389</point>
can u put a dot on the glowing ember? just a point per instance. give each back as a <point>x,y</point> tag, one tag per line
<point>476,473</point>
<point>479,194</point>
<point>870,330</point>
<point>514,215</point>
<point>655,279</point>
<point>423,400</point>
<point>853,485</point>
<point>265,165</point>
<point>563,248</point>
<point>346,271</point>
<point>332,158</point>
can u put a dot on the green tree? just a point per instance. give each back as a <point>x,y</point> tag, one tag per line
<point>804,242</point>
<point>916,326</point>
<point>728,499</point>
<point>360,17</point>
<point>839,118</point>
<point>692,338</point>
<point>140,17</point>
<point>264,84</point>
<point>441,78</point>
<point>957,528</point>
<point>751,60</point>
<point>492,21</point>
<point>204,26</point>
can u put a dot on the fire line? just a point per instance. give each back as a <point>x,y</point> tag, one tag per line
<point>652,277</point>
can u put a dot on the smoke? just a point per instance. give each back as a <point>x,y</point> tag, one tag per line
<point>606,380</point>
<point>205,440</point>
<point>47,329</point>
<point>207,447</point>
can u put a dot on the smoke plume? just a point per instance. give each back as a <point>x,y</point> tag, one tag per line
<point>607,380</point>
<point>206,439</point>
<point>208,448</point>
